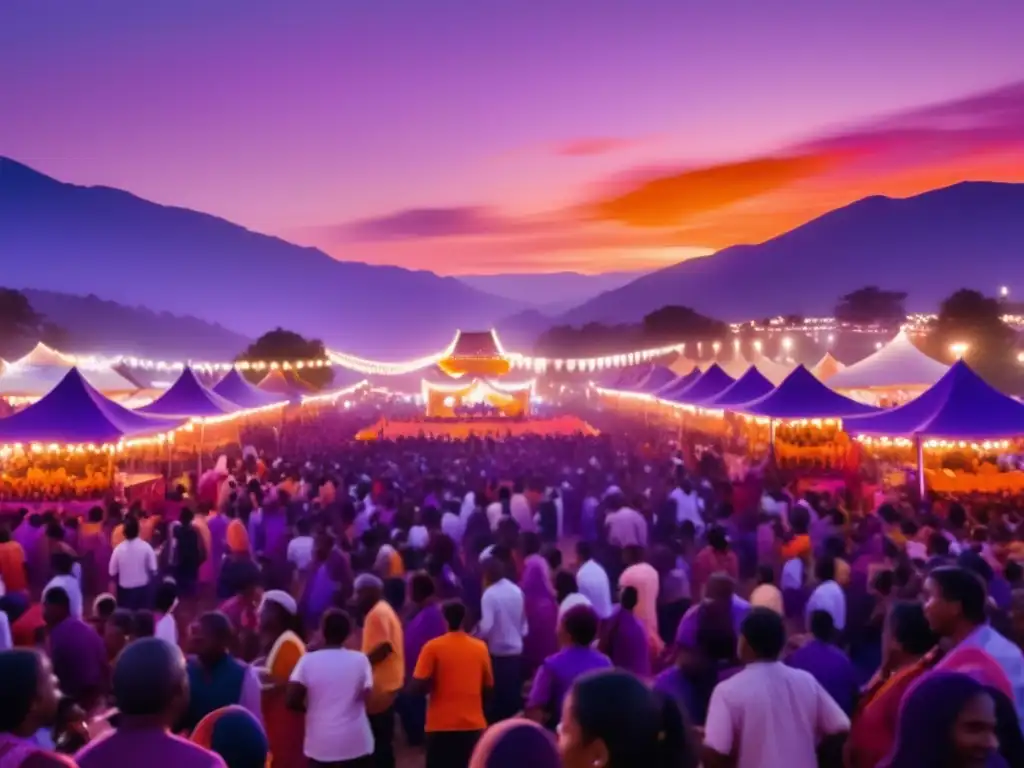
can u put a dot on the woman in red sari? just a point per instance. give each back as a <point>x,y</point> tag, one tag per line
<point>908,652</point>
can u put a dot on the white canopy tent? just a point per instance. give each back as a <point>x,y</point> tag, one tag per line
<point>682,365</point>
<point>827,367</point>
<point>35,374</point>
<point>898,366</point>
<point>771,370</point>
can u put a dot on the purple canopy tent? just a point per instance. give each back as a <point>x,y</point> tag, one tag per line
<point>959,406</point>
<point>802,396</point>
<point>235,388</point>
<point>709,384</point>
<point>632,377</point>
<point>657,378</point>
<point>678,384</point>
<point>189,398</point>
<point>73,412</point>
<point>750,386</point>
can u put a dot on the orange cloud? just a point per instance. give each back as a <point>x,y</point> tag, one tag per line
<point>596,145</point>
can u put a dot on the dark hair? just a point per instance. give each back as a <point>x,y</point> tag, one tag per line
<point>909,628</point>
<point>57,596</point>
<point>454,613</point>
<point>765,574</point>
<point>717,539</point>
<point>335,626</point>
<point>629,598</point>
<point>938,544</point>
<point>62,562</point>
<point>764,632</point>
<point>131,528</point>
<point>1013,571</point>
<point>584,551</point>
<point>565,585</point>
<point>884,582</point>
<point>580,623</point>
<point>143,624</point>
<point>95,515</point>
<point>553,556</point>
<point>19,669</point>
<point>958,585</point>
<point>639,727</point>
<point>166,594</point>
<point>105,607</point>
<point>530,543</point>
<point>421,587</point>
<point>975,563</point>
<point>822,626</point>
<point>825,570</point>
<point>123,619</point>
<point>186,517</point>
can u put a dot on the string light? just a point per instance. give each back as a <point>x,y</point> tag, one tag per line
<point>324,397</point>
<point>935,444</point>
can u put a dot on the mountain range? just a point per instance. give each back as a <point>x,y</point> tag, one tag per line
<point>969,235</point>
<point>66,239</point>
<point>81,240</point>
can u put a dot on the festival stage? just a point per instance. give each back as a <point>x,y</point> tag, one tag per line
<point>463,429</point>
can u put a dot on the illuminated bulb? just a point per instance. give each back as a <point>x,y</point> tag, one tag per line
<point>787,343</point>
<point>959,349</point>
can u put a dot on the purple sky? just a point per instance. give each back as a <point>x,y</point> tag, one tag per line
<point>497,120</point>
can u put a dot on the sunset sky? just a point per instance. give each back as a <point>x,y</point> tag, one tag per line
<point>485,136</point>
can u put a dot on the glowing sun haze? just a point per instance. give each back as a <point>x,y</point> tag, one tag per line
<point>481,137</point>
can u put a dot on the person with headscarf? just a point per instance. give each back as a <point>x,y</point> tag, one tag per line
<point>554,678</point>
<point>948,719</point>
<point>151,691</point>
<point>281,649</point>
<point>515,743</point>
<point>234,734</point>
<point>541,613</point>
<point>611,719</point>
<point>28,706</point>
<point>644,579</point>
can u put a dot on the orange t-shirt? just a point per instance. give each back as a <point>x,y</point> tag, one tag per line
<point>459,667</point>
<point>12,566</point>
<point>383,625</point>
<point>800,546</point>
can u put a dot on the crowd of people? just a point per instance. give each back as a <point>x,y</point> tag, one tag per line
<point>612,601</point>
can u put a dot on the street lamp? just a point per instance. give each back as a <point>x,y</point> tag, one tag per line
<point>1004,291</point>
<point>787,343</point>
<point>959,349</point>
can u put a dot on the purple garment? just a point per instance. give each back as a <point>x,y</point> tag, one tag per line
<point>686,633</point>
<point>427,624</point>
<point>218,527</point>
<point>274,537</point>
<point>541,613</point>
<point>318,595</point>
<point>673,684</point>
<point>1001,592</point>
<point>151,747</point>
<point>556,675</point>
<point>94,552</point>
<point>627,643</point>
<point>831,668</point>
<point>79,658</point>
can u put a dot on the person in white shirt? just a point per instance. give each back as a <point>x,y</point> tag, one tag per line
<point>828,596</point>
<point>519,508</point>
<point>300,549</point>
<point>689,506</point>
<point>453,526</point>
<point>332,686</point>
<point>497,510</point>
<point>165,602</point>
<point>770,715</point>
<point>503,626</point>
<point>626,527</point>
<point>132,567</point>
<point>592,581</point>
<point>63,564</point>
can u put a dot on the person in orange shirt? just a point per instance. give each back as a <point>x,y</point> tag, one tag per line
<point>455,671</point>
<point>384,646</point>
<point>12,563</point>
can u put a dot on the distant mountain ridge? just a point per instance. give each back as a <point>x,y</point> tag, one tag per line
<point>969,235</point>
<point>80,240</point>
<point>95,326</point>
<point>551,293</point>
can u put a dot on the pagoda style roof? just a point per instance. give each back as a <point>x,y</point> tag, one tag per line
<point>476,344</point>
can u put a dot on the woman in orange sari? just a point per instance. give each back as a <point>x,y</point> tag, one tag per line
<point>12,563</point>
<point>908,651</point>
<point>282,647</point>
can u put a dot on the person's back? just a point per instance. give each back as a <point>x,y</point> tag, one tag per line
<point>768,714</point>
<point>335,679</point>
<point>459,667</point>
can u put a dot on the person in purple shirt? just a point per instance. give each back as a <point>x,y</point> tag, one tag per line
<point>77,652</point>
<point>424,623</point>
<point>827,664</point>
<point>151,689</point>
<point>559,671</point>
<point>625,639</point>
